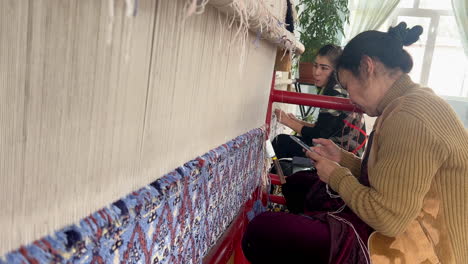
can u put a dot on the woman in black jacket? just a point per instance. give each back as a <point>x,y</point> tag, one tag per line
<point>346,129</point>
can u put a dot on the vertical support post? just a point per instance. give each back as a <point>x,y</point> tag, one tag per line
<point>239,257</point>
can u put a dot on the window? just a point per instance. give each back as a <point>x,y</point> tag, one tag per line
<point>439,59</point>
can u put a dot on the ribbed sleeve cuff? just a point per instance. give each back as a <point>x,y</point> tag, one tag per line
<point>350,161</point>
<point>337,176</point>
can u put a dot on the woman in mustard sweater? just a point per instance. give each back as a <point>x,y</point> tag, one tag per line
<point>411,187</point>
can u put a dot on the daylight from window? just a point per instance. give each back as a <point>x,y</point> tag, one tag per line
<point>439,59</point>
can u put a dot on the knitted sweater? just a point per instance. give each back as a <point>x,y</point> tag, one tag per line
<point>418,172</point>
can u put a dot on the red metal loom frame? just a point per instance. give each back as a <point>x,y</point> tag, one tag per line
<point>229,245</point>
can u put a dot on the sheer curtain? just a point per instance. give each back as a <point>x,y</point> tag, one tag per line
<point>368,15</point>
<point>460,10</point>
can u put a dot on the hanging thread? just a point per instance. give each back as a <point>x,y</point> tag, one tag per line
<point>94,123</point>
<point>362,244</point>
<point>110,23</point>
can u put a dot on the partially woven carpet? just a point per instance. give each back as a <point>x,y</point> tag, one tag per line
<point>175,219</point>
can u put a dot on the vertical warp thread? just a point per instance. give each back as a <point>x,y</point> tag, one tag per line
<point>84,130</point>
<point>110,23</point>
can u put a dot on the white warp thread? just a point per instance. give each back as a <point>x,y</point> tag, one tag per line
<point>85,123</point>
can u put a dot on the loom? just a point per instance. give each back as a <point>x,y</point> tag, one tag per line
<point>102,99</point>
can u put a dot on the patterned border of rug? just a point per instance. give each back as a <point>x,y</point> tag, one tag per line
<point>175,219</point>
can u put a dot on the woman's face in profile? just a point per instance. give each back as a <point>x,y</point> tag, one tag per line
<point>322,70</point>
<point>360,92</point>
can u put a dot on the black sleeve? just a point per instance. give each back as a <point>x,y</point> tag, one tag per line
<point>326,126</point>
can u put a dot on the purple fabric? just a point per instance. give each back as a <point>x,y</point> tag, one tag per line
<point>343,245</point>
<point>311,234</point>
<point>286,238</point>
<point>305,192</point>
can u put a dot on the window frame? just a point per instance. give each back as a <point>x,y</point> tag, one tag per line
<point>434,16</point>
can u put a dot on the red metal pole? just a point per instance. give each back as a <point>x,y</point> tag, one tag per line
<point>275,180</point>
<point>322,101</point>
<point>277,199</point>
<point>224,250</point>
<point>239,257</point>
<point>230,244</point>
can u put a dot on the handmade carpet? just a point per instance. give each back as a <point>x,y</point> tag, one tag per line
<point>175,219</point>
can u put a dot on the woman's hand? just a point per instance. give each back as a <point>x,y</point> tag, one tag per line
<point>324,166</point>
<point>286,120</point>
<point>302,122</point>
<point>327,149</point>
<point>282,117</point>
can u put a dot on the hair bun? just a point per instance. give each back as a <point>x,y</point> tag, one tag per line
<point>405,35</point>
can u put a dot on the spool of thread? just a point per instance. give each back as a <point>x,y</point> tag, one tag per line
<point>269,149</point>
<point>271,154</point>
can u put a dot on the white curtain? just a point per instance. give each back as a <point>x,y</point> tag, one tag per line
<point>368,15</point>
<point>460,10</point>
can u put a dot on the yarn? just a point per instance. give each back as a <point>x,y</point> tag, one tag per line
<point>96,103</point>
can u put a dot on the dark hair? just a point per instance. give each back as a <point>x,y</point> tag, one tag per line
<point>332,53</point>
<point>289,20</point>
<point>387,47</point>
